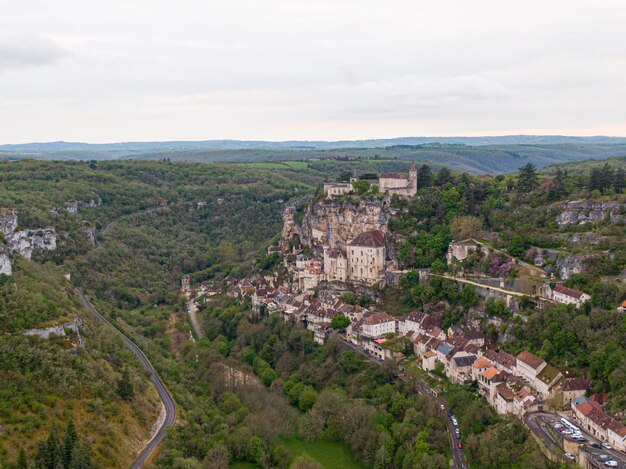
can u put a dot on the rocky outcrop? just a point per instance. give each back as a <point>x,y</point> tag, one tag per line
<point>5,264</point>
<point>22,242</point>
<point>335,223</point>
<point>578,212</point>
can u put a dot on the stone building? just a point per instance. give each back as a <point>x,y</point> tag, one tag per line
<point>366,258</point>
<point>399,183</point>
<point>335,265</point>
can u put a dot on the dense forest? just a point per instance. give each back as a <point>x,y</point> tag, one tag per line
<point>258,390</point>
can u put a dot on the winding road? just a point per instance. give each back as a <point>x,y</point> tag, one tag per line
<point>166,397</point>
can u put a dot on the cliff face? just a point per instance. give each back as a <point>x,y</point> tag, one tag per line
<point>334,223</point>
<point>578,212</point>
<point>22,242</point>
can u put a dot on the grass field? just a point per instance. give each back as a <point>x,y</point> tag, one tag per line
<point>330,454</point>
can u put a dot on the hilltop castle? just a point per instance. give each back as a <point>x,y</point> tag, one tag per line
<point>388,183</point>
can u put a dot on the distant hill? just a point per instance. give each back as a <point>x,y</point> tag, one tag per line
<point>476,155</point>
<point>130,147</point>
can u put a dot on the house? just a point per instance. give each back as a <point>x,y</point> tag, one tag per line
<point>461,367</point>
<point>622,307</point>
<point>335,265</point>
<point>573,388</point>
<point>547,379</point>
<point>592,418</point>
<point>273,250</point>
<point>529,365</point>
<point>481,364</point>
<point>501,360</point>
<point>504,399</point>
<point>429,360</point>
<point>378,324</point>
<point>569,296</point>
<point>366,257</point>
<point>411,323</point>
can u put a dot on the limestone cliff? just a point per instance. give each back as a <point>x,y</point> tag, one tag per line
<point>333,222</point>
<point>22,242</point>
<point>578,212</point>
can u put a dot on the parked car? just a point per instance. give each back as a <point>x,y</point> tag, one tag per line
<point>569,456</point>
<point>596,445</point>
<point>611,463</point>
<point>606,446</point>
<point>442,406</point>
<point>459,445</point>
<point>604,457</point>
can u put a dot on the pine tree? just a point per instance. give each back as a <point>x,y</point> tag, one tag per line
<point>424,176</point>
<point>527,179</point>
<point>81,456</point>
<point>21,459</point>
<point>49,452</point>
<point>125,386</point>
<point>619,180</point>
<point>557,188</point>
<point>68,443</point>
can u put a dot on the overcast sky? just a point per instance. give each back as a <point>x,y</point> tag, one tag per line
<point>277,70</point>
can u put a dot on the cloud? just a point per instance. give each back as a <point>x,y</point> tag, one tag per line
<point>28,51</point>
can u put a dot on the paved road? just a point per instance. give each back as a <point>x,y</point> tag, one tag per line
<point>422,388</point>
<point>192,309</point>
<point>166,397</point>
<point>538,421</point>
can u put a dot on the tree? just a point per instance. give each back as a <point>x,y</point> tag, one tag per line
<point>21,459</point>
<point>424,177</point>
<point>557,187</point>
<point>444,176</point>
<point>469,297</point>
<point>464,227</point>
<point>349,361</point>
<point>68,443</point>
<point>527,179</point>
<point>619,181</point>
<point>340,323</point>
<point>125,386</point>
<point>516,246</point>
<point>361,186</point>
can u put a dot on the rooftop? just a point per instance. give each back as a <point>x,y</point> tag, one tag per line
<point>372,238</point>
<point>530,359</point>
<point>568,291</point>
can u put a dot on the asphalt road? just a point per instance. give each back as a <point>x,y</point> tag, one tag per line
<point>166,397</point>
<point>192,309</point>
<point>422,387</point>
<point>538,420</point>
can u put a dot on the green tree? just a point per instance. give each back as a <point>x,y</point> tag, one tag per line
<point>340,323</point>
<point>68,443</point>
<point>469,297</point>
<point>424,177</point>
<point>516,246</point>
<point>361,186</point>
<point>527,178</point>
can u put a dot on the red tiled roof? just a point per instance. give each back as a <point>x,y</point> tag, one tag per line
<point>568,291</point>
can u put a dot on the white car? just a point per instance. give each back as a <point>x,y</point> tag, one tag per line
<point>611,463</point>
<point>569,456</point>
<point>567,432</point>
<point>606,446</point>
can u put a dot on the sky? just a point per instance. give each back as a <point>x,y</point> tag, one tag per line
<point>136,70</point>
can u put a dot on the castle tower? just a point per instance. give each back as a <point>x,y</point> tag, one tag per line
<point>413,176</point>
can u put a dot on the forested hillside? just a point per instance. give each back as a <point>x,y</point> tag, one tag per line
<point>257,390</point>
